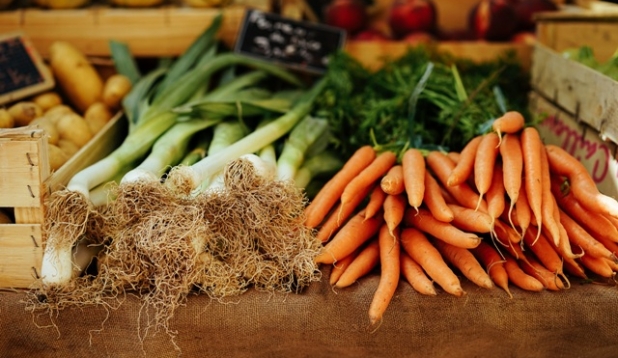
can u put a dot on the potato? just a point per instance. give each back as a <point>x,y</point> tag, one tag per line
<point>47,100</point>
<point>97,116</point>
<point>68,147</point>
<point>75,75</point>
<point>56,112</point>
<point>116,87</point>
<point>6,120</point>
<point>56,157</point>
<point>23,112</point>
<point>48,126</point>
<point>73,127</point>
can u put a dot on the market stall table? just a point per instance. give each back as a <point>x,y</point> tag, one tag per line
<point>322,322</point>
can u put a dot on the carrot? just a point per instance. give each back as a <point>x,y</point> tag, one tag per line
<point>539,244</point>
<point>465,262</point>
<point>394,208</point>
<point>331,192</point>
<point>512,168</point>
<point>340,266</point>
<point>520,278</point>
<point>534,268</point>
<point>597,265</point>
<point>580,237</point>
<point>523,213</point>
<point>424,221</point>
<point>372,173</point>
<point>366,260</point>
<point>531,146</point>
<point>376,200</point>
<point>420,249</point>
<point>470,220</point>
<point>573,267</point>
<point>434,200</point>
<point>339,215</point>
<point>484,163</point>
<point>463,169</point>
<point>495,194</point>
<point>596,224</point>
<point>389,273</point>
<point>392,182</point>
<point>454,156</point>
<point>413,165</point>
<point>549,210</point>
<point>416,277</point>
<point>581,183</point>
<point>510,122</point>
<point>352,235</point>
<point>442,166</point>
<point>503,230</point>
<point>494,264</point>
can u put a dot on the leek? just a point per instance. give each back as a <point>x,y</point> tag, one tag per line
<point>324,163</point>
<point>300,139</point>
<point>199,149</point>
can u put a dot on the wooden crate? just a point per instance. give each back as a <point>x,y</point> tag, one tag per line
<point>578,106</point>
<point>25,181</point>
<point>149,32</point>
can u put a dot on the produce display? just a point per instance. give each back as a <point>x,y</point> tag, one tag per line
<point>585,55</point>
<point>82,103</point>
<point>239,174</point>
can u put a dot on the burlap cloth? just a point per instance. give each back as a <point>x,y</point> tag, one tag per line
<point>320,322</point>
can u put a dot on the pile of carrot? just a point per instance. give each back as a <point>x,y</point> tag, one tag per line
<point>506,209</point>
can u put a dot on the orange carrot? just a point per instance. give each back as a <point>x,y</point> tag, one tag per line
<point>463,169</point>
<point>350,237</point>
<point>520,278</point>
<point>454,156</point>
<point>512,168</point>
<point>330,194</point>
<point>366,178</point>
<point>597,265</point>
<point>413,165</point>
<point>534,268</point>
<point>392,182</point>
<point>434,200</point>
<point>549,210</point>
<point>503,230</point>
<point>389,274</point>
<point>470,220</point>
<point>580,237</point>
<point>510,122</point>
<point>485,162</point>
<point>424,221</point>
<point>394,208</point>
<point>540,245</point>
<point>495,194</point>
<point>531,146</point>
<point>362,264</point>
<point>420,249</point>
<point>442,166</point>
<point>581,183</point>
<point>523,213</point>
<point>340,266</point>
<point>596,224</point>
<point>494,264</point>
<point>339,215</point>
<point>416,277</point>
<point>376,200</point>
<point>465,262</point>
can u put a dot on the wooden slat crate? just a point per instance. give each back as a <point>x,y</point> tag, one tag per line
<point>24,184</point>
<point>578,106</point>
<point>150,32</point>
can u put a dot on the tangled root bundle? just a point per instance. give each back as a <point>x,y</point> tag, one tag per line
<point>163,244</point>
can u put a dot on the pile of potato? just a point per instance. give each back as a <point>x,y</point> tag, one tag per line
<point>80,106</point>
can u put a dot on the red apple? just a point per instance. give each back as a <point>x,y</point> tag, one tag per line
<point>526,9</point>
<point>408,16</point>
<point>493,20</point>
<point>525,37</point>
<point>350,15</point>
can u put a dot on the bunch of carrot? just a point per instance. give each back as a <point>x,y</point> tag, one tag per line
<point>506,209</point>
